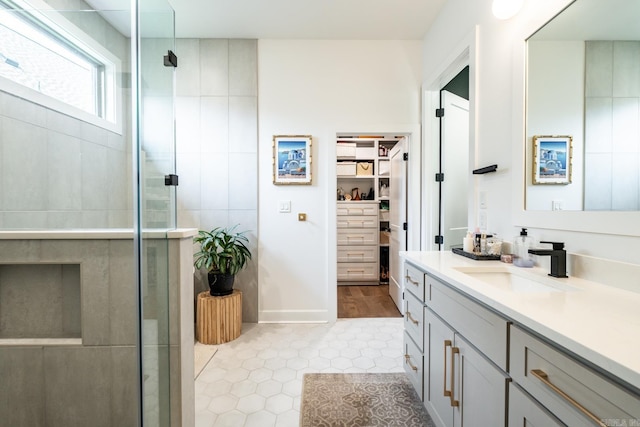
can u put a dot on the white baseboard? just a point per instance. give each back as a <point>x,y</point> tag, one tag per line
<point>293,316</point>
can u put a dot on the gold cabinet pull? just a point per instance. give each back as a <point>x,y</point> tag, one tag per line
<point>447,343</point>
<point>454,351</point>
<point>542,376</point>
<point>408,313</point>
<point>411,280</point>
<point>407,358</point>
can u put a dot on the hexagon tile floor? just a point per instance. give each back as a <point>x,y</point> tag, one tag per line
<point>256,380</point>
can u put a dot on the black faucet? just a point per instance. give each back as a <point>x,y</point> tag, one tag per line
<point>558,258</point>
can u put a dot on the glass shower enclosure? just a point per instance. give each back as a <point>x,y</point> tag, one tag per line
<point>87,159</point>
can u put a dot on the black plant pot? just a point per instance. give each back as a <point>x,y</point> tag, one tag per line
<point>220,284</point>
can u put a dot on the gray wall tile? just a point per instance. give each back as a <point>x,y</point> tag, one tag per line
<point>243,124</point>
<point>124,393</point>
<point>24,166</point>
<point>243,67</point>
<point>598,125</point>
<point>214,119</point>
<point>122,293</point>
<point>94,177</point>
<point>20,109</point>
<point>624,195</point>
<point>64,172</point>
<point>188,73</point>
<point>188,167</point>
<point>597,183</point>
<point>626,68</point>
<point>188,124</point>
<point>214,67</point>
<point>243,181</point>
<point>21,396</point>
<point>71,310</point>
<point>599,68</point>
<point>215,180</point>
<point>75,394</point>
<point>626,124</point>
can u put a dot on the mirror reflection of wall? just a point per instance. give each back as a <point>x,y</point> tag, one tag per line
<point>583,80</point>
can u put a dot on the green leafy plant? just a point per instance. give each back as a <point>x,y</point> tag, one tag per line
<point>222,250</point>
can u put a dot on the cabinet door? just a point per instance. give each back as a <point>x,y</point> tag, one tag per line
<point>479,387</point>
<point>524,411</point>
<point>438,341</point>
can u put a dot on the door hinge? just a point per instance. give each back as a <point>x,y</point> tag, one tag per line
<point>439,177</point>
<point>439,112</point>
<point>171,180</point>
<point>405,227</point>
<point>439,240</point>
<point>405,156</point>
<point>170,59</point>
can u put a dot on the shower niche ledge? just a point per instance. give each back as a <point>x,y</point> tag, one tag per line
<point>40,304</point>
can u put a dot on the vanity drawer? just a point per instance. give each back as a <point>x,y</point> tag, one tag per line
<point>414,319</point>
<point>358,208</point>
<point>358,271</point>
<point>480,326</point>
<point>413,364</point>
<point>365,221</point>
<point>414,280</point>
<point>358,253</point>
<point>365,236</point>
<point>574,393</point>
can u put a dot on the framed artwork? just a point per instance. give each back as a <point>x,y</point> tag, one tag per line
<point>552,156</point>
<point>292,159</point>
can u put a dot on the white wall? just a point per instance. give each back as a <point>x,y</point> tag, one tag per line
<point>499,133</point>
<point>319,88</point>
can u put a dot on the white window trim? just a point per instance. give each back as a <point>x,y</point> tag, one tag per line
<point>112,71</point>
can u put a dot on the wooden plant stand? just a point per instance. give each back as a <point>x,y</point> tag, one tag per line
<point>219,319</point>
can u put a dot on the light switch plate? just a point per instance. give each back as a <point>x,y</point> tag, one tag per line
<point>284,206</point>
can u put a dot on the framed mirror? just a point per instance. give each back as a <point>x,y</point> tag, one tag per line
<point>583,82</point>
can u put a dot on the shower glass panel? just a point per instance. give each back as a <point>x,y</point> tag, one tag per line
<point>86,138</point>
<point>156,206</point>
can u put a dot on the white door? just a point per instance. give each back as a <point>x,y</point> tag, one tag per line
<point>397,218</point>
<point>455,166</point>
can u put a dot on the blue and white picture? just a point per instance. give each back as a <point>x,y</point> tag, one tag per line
<point>552,159</point>
<point>292,159</point>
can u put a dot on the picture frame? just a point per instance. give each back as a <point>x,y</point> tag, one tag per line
<point>552,159</point>
<point>292,159</point>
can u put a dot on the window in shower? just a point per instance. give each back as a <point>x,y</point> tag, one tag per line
<point>48,55</point>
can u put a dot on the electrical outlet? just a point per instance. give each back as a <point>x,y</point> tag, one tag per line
<point>482,220</point>
<point>556,205</point>
<point>482,200</point>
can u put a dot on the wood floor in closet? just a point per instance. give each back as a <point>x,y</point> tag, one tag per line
<point>365,301</point>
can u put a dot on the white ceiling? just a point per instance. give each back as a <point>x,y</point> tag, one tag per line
<point>295,19</point>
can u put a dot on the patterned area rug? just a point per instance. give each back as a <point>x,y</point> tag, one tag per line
<point>350,400</point>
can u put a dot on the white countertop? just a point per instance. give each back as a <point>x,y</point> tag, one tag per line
<point>599,323</point>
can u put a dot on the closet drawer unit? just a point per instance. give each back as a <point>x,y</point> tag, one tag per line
<point>414,319</point>
<point>357,253</point>
<point>357,271</point>
<point>358,208</point>
<point>414,280</point>
<point>481,327</point>
<point>357,237</point>
<point>364,221</point>
<point>573,392</point>
<point>413,364</point>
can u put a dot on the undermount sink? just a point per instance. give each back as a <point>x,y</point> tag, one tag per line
<point>515,282</point>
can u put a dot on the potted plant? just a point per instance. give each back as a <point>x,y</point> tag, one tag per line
<point>223,252</point>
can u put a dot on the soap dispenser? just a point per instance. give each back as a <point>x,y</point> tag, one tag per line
<point>521,246</point>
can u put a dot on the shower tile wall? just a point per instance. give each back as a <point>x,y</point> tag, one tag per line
<point>59,172</point>
<point>217,144</point>
<point>612,125</point>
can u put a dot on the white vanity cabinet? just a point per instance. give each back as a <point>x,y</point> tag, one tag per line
<point>461,384</point>
<point>525,411</point>
<point>573,392</point>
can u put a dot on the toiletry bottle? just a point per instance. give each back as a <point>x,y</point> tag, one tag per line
<point>521,246</point>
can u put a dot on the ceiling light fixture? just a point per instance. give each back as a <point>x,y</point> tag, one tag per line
<point>506,9</point>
